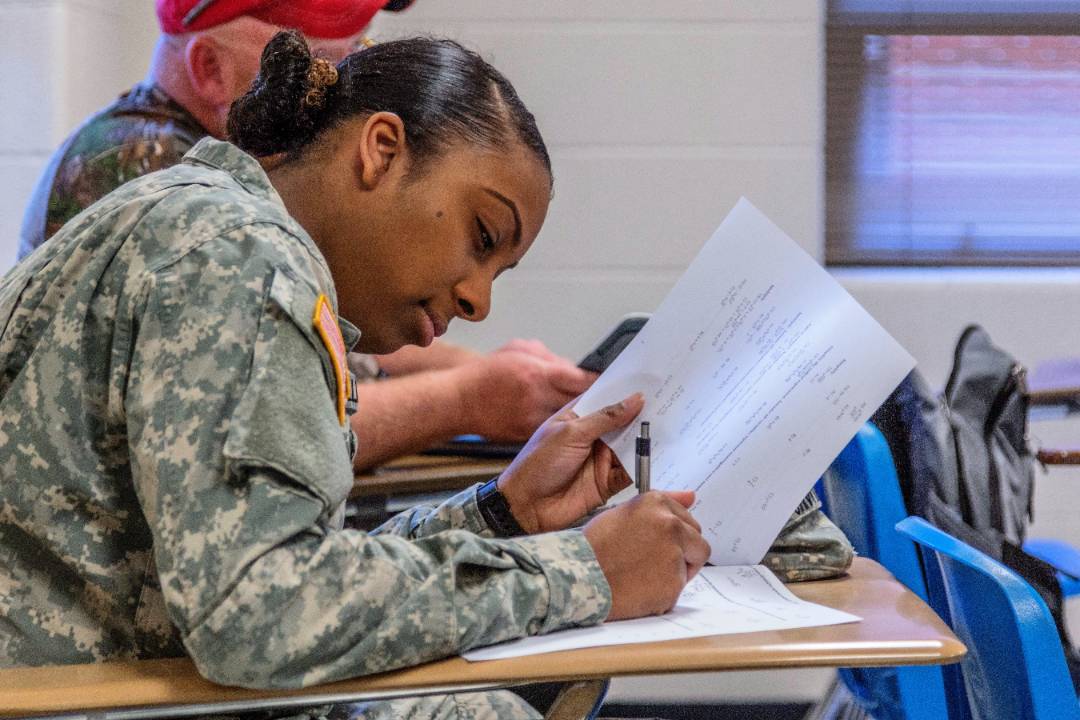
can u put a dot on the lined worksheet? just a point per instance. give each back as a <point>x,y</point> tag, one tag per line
<point>757,369</point>
<point>717,601</point>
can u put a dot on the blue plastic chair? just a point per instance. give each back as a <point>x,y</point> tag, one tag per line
<point>1015,668</point>
<point>1061,555</point>
<point>861,494</point>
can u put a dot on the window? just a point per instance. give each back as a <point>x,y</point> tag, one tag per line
<point>952,132</point>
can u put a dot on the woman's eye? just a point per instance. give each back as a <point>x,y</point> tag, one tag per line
<point>486,242</point>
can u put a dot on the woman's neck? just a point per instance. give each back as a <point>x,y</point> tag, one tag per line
<point>301,187</point>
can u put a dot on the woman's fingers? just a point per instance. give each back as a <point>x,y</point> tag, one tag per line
<point>608,419</point>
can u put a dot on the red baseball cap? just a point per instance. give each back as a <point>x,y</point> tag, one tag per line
<point>315,18</point>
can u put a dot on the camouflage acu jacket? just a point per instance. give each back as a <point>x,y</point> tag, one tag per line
<point>173,463</point>
<point>810,546</point>
<point>143,131</point>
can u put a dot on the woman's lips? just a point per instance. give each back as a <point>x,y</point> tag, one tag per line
<point>439,323</point>
<point>432,326</point>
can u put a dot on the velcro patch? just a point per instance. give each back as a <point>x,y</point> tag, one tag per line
<point>325,322</point>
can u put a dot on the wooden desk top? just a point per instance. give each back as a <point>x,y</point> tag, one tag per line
<point>425,473</point>
<point>897,629</point>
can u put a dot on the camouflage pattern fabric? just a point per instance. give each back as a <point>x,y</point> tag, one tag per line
<point>143,131</point>
<point>173,468</point>
<point>461,706</point>
<point>810,546</point>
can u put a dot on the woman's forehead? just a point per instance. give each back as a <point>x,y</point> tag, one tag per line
<point>514,171</point>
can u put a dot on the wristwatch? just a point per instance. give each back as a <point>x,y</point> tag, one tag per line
<point>496,511</point>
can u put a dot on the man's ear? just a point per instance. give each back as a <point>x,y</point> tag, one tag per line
<point>382,149</point>
<point>209,71</point>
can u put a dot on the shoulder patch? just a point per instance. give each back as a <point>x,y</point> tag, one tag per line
<point>326,325</point>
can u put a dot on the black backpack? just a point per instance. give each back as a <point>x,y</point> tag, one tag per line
<point>964,462</point>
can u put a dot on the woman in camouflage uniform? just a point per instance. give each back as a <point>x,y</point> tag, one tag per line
<point>174,440</point>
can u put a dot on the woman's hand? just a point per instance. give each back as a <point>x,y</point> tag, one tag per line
<point>565,470</point>
<point>648,548</point>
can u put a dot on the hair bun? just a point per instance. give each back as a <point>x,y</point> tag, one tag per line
<point>279,112</point>
<point>321,75</point>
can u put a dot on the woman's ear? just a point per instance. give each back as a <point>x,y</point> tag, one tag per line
<point>381,150</point>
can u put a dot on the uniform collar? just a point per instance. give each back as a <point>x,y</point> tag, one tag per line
<point>349,333</point>
<point>245,169</point>
<point>148,98</point>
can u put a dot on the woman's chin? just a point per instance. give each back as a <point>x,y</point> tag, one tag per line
<point>371,344</point>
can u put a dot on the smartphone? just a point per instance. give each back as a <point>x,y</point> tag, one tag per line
<point>605,352</point>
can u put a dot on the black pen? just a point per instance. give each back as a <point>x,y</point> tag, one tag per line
<point>643,460</point>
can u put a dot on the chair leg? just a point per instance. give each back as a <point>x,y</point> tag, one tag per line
<point>576,700</point>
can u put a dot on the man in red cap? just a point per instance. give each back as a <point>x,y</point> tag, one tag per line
<point>207,56</point>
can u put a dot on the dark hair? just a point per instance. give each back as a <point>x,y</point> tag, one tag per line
<point>441,91</point>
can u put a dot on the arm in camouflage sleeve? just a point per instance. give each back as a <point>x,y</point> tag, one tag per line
<point>457,512</point>
<point>240,464</point>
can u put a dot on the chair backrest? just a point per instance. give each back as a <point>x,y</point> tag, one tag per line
<point>1015,667</point>
<point>860,492</point>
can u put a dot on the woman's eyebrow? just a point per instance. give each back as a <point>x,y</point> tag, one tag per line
<point>513,208</point>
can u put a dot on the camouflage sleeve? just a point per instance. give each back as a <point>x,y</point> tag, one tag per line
<point>240,465</point>
<point>457,512</point>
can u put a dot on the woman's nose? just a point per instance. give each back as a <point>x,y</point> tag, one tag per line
<point>474,298</point>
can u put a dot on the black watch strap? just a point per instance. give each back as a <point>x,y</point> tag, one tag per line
<point>496,511</point>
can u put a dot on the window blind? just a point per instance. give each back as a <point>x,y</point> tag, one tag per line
<point>952,133</point>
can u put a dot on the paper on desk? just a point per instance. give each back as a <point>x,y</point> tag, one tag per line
<point>757,369</point>
<point>718,601</point>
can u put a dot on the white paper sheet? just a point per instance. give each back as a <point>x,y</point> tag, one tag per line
<point>718,601</point>
<point>757,369</point>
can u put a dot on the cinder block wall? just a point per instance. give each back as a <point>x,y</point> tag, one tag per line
<point>60,60</point>
<point>658,116</point>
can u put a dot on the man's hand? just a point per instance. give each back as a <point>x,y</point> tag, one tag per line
<point>504,396</point>
<point>565,470</point>
<point>648,548</point>
<point>507,394</point>
<point>411,359</point>
<point>529,347</point>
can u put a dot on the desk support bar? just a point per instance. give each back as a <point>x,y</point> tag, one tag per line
<point>576,700</point>
<point>158,712</point>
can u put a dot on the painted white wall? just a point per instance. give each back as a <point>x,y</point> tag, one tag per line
<point>659,116</point>
<point>60,61</point>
